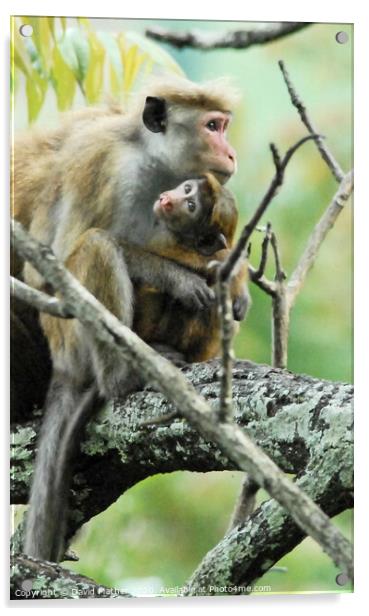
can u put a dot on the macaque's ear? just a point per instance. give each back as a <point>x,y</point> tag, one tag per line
<point>210,244</point>
<point>155,114</point>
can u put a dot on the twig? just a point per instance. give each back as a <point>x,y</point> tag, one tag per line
<point>226,268</point>
<point>257,274</point>
<point>284,292</point>
<point>322,147</point>
<point>37,299</point>
<point>238,39</point>
<point>245,503</point>
<point>263,283</point>
<point>318,235</point>
<point>280,274</point>
<point>169,380</point>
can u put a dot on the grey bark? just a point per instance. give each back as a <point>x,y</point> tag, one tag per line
<point>237,39</point>
<point>298,420</point>
<point>34,579</point>
<point>232,441</point>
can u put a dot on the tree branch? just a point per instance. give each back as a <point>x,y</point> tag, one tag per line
<point>251,548</point>
<point>322,147</point>
<point>36,579</point>
<point>161,373</point>
<point>296,419</point>
<point>318,235</point>
<point>284,292</point>
<point>238,39</point>
<point>226,268</point>
<point>37,299</point>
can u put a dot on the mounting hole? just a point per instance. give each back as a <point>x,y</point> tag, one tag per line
<point>342,37</point>
<point>26,30</point>
<point>342,579</point>
<point>27,585</point>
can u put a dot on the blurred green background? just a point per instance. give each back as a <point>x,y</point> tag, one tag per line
<point>156,533</point>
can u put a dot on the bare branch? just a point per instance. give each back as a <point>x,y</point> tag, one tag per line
<point>238,39</point>
<point>280,325</point>
<point>161,373</point>
<point>225,410</point>
<point>245,503</point>
<point>318,235</point>
<point>226,268</point>
<point>280,275</point>
<point>37,299</point>
<point>263,283</point>
<point>322,147</point>
<point>257,274</point>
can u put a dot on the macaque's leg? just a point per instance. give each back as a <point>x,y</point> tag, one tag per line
<point>84,374</point>
<point>97,262</point>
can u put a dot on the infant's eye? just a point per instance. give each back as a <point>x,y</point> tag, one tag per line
<point>191,205</point>
<point>212,125</point>
<point>187,189</point>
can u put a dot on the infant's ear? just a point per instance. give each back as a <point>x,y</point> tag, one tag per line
<point>210,244</point>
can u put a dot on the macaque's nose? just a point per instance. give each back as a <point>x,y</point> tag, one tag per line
<point>165,202</point>
<point>232,155</point>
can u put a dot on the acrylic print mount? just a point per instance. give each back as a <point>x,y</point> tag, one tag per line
<point>180,372</point>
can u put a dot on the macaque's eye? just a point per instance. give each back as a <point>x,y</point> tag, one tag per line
<point>191,205</point>
<point>212,125</point>
<point>187,188</point>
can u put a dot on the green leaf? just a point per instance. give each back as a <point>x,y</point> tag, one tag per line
<point>63,21</point>
<point>51,22</point>
<point>94,81</point>
<point>132,60</point>
<point>116,69</point>
<point>19,55</point>
<point>63,80</point>
<point>42,39</point>
<point>36,88</point>
<point>155,51</point>
<point>75,50</point>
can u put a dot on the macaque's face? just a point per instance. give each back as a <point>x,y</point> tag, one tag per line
<point>189,140</point>
<point>181,208</point>
<point>187,212</point>
<point>221,158</point>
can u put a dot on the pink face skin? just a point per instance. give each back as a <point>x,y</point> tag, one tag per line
<point>176,199</point>
<point>213,126</point>
<point>180,206</point>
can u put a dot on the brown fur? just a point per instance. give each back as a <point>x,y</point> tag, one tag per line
<point>160,319</point>
<point>86,187</point>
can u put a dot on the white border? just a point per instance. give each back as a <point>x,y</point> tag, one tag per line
<point>314,10</point>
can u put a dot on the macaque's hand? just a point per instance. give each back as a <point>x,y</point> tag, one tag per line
<point>193,292</point>
<point>241,304</point>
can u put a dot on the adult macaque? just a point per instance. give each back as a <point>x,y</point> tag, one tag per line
<point>84,188</point>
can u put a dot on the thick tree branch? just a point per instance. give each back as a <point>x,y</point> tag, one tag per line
<point>251,548</point>
<point>296,419</point>
<point>155,369</point>
<point>35,579</point>
<point>238,39</point>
